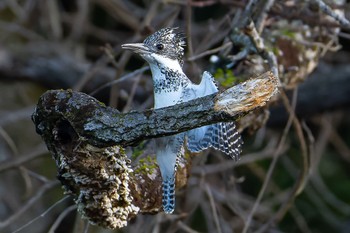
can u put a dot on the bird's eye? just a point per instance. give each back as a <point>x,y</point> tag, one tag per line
<point>160,46</point>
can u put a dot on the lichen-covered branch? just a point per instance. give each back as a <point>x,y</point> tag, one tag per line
<point>104,126</point>
<point>87,138</point>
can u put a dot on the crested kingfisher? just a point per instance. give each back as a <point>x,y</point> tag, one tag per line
<point>164,53</point>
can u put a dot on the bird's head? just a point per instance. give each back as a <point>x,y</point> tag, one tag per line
<point>161,47</point>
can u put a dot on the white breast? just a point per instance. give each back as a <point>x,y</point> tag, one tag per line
<point>167,99</point>
<point>167,96</point>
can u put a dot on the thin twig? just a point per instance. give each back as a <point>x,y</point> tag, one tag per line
<point>248,12</point>
<point>55,19</point>
<point>246,159</point>
<point>259,21</point>
<point>271,168</point>
<point>300,220</point>
<point>90,73</point>
<point>327,213</point>
<point>311,142</point>
<point>260,47</point>
<point>29,203</point>
<point>9,141</point>
<point>31,155</point>
<point>16,8</point>
<point>8,117</point>
<point>120,13</point>
<point>339,144</point>
<point>80,18</point>
<point>114,92</point>
<point>211,51</point>
<point>213,208</point>
<point>86,227</point>
<point>189,28</point>
<point>61,217</point>
<point>109,51</point>
<point>123,78</point>
<point>328,196</point>
<point>16,28</point>
<point>185,228</point>
<point>305,171</point>
<point>329,11</point>
<point>132,94</point>
<point>151,14</point>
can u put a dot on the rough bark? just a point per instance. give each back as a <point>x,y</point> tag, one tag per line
<point>87,138</point>
<point>104,126</point>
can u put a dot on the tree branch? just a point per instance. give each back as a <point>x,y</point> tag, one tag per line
<point>86,140</point>
<point>105,126</point>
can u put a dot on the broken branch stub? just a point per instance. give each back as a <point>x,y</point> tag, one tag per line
<point>86,140</point>
<point>247,96</point>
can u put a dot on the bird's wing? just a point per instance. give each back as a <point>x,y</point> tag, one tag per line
<point>222,136</point>
<point>207,85</point>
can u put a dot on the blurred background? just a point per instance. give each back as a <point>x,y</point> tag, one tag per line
<point>294,173</point>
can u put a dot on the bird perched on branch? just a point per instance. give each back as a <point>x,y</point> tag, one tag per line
<point>164,52</point>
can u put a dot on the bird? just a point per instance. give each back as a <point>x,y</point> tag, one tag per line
<point>164,52</point>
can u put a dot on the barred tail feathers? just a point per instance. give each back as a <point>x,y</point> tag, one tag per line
<point>169,195</point>
<point>167,164</point>
<point>229,140</point>
<point>222,136</point>
<point>168,150</point>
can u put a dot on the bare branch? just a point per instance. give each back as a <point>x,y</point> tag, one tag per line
<point>270,170</point>
<point>28,204</point>
<point>326,9</point>
<point>85,138</point>
<point>104,126</point>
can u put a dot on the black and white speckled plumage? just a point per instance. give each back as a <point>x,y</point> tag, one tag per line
<point>172,42</point>
<point>172,83</point>
<point>164,52</point>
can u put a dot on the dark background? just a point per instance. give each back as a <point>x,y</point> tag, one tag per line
<point>76,44</point>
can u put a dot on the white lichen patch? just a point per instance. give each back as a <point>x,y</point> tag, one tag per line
<point>99,180</point>
<point>152,176</point>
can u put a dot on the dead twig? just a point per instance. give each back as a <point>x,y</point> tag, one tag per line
<point>270,170</point>
<point>28,204</point>
<point>329,11</point>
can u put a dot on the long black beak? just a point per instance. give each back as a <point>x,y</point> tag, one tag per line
<point>139,48</point>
